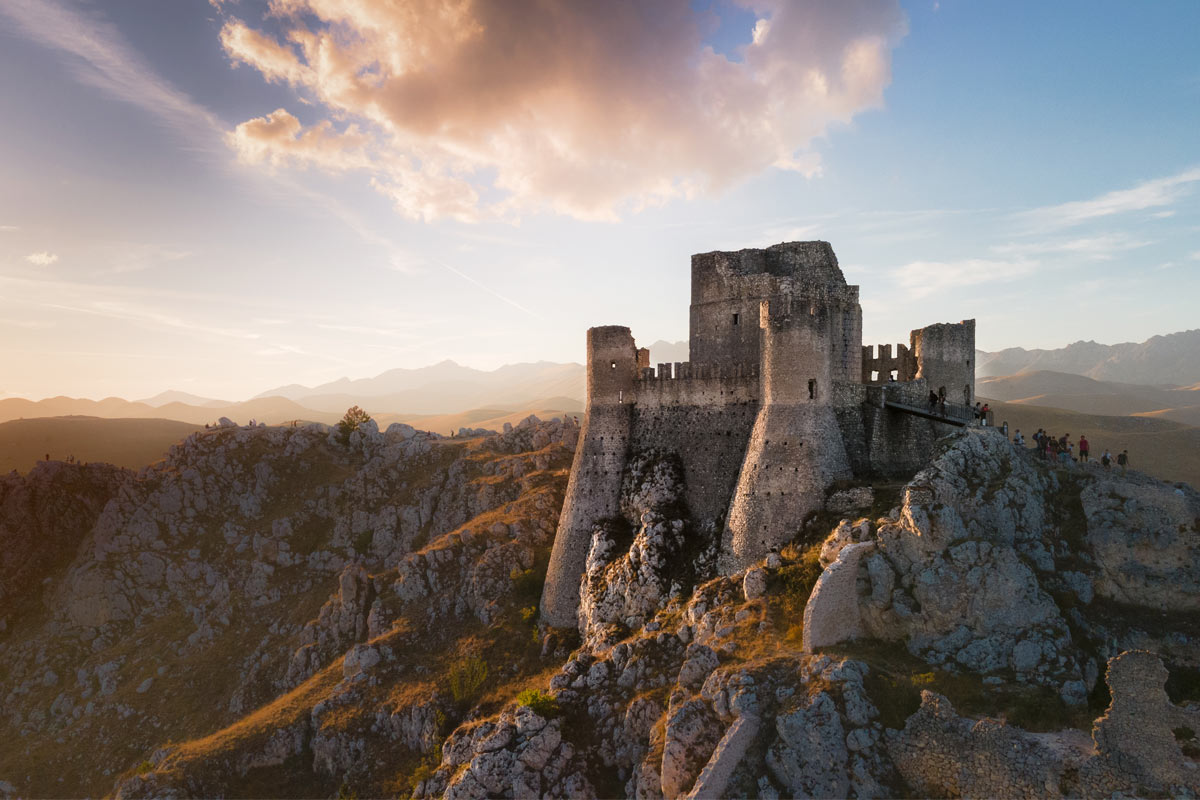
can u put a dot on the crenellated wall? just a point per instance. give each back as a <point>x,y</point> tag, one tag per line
<point>775,405</point>
<point>705,417</point>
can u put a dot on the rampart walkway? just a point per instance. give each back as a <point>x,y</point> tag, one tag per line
<point>950,413</point>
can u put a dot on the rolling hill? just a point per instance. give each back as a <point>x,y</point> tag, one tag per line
<point>1080,393</point>
<point>1159,447</point>
<point>131,443</point>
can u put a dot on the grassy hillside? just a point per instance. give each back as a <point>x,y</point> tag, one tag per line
<point>130,443</point>
<point>1079,393</point>
<point>490,418</point>
<point>1159,447</point>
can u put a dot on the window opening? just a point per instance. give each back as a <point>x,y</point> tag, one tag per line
<point>613,365</point>
<point>736,316</point>
<point>812,388</point>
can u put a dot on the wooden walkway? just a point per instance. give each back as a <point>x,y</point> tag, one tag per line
<point>954,413</point>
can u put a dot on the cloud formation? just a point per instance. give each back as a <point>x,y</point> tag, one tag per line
<point>1148,194</point>
<point>492,108</point>
<point>42,259</point>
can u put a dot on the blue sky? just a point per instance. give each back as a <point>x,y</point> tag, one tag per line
<point>162,225</point>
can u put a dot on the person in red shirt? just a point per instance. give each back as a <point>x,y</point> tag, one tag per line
<point>1083,448</point>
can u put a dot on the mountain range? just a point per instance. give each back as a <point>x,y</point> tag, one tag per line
<point>1170,360</point>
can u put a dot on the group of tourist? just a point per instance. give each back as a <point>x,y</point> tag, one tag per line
<point>1064,451</point>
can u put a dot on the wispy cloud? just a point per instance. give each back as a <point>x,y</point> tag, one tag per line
<point>8,228</point>
<point>100,57</point>
<point>42,259</point>
<point>923,278</point>
<point>1148,194</point>
<point>1103,247</point>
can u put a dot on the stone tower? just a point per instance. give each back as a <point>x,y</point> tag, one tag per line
<point>593,492</point>
<point>809,329</point>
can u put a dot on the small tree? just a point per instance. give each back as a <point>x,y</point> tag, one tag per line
<point>355,417</point>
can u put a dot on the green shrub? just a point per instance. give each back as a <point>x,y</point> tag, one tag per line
<point>527,584</point>
<point>144,768</point>
<point>467,677</point>
<point>354,417</point>
<point>543,705</point>
<point>362,542</point>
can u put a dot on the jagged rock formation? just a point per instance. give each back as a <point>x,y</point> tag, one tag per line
<point>202,591</point>
<point>966,570</point>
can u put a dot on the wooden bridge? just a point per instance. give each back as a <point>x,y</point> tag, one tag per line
<point>958,414</point>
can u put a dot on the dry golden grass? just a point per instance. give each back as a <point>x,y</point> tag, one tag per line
<point>131,443</point>
<point>1159,447</point>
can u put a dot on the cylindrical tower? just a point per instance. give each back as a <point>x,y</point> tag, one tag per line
<point>796,449</point>
<point>593,492</point>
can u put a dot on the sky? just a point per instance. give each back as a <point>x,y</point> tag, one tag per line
<point>223,197</point>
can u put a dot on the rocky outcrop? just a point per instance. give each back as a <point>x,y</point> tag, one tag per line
<point>1138,747</point>
<point>967,572</point>
<point>44,517</point>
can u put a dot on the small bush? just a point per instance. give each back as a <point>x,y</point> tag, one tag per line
<point>542,704</point>
<point>467,677</point>
<point>144,768</point>
<point>362,542</point>
<point>354,417</point>
<point>527,583</point>
<point>529,613</point>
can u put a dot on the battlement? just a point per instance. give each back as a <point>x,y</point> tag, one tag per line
<point>778,400</point>
<point>879,365</point>
<point>688,371</point>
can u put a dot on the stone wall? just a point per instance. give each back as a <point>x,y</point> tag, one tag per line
<point>728,287</point>
<point>945,355</point>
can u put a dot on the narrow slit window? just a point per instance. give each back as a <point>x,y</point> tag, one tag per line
<point>736,317</point>
<point>812,388</point>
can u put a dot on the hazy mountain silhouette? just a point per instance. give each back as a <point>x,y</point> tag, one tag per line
<point>443,388</point>
<point>1173,359</point>
<point>664,352</point>
<point>174,396</point>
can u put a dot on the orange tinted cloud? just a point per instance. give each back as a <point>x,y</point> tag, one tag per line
<point>581,108</point>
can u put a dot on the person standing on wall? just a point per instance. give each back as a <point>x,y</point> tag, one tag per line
<point>1123,460</point>
<point>1083,449</point>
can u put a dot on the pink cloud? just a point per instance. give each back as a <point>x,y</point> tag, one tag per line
<point>585,109</point>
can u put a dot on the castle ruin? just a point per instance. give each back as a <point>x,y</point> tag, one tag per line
<point>778,401</point>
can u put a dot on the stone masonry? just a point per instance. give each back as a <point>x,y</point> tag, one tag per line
<point>779,400</point>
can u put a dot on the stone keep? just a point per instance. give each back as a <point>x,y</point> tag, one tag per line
<point>779,400</point>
